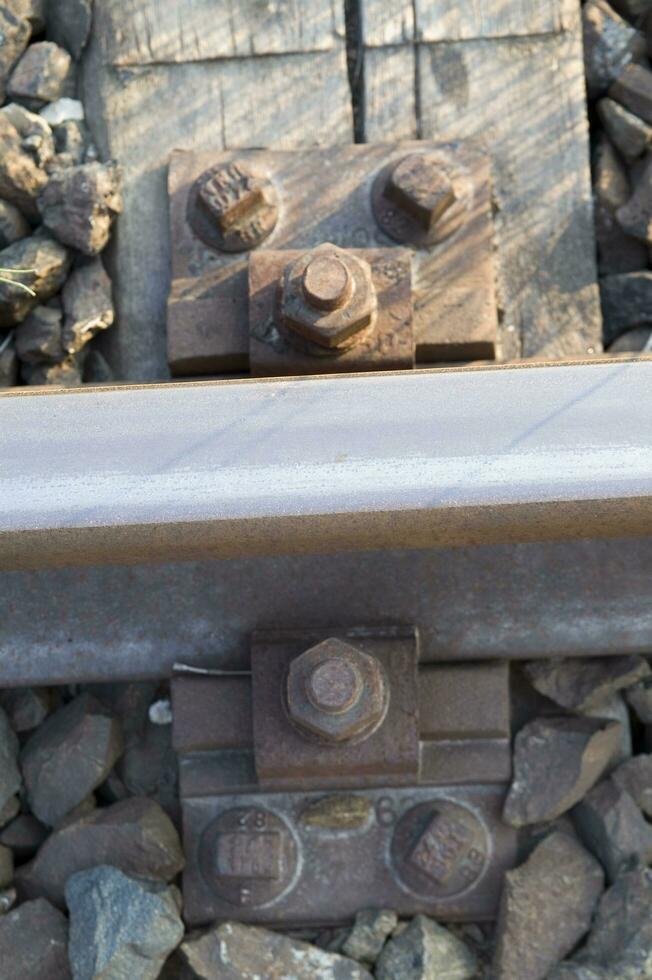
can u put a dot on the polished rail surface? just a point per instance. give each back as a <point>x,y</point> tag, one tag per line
<point>409,460</point>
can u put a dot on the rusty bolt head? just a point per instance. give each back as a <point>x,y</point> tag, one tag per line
<point>327,283</point>
<point>420,186</point>
<point>328,297</point>
<point>336,692</point>
<point>241,205</point>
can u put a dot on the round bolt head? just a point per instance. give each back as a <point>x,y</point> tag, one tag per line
<point>336,692</point>
<point>327,283</point>
<point>419,186</point>
<point>233,208</point>
<point>328,297</point>
<point>334,685</point>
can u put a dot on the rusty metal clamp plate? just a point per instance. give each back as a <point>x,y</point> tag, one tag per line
<point>446,724</point>
<point>260,200</point>
<point>284,755</point>
<point>336,759</point>
<point>315,858</point>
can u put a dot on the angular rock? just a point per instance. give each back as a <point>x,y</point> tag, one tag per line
<point>615,709</point>
<point>24,835</point>
<point>79,204</point>
<point>41,75</point>
<point>38,337</point>
<point>49,262</point>
<point>639,697</point>
<point>135,836</point>
<point>367,937</point>
<point>582,683</point>
<point>9,772</point>
<point>33,941</point>
<point>6,866</point>
<point>71,140</point>
<point>69,24</point>
<point>633,89</point>
<point>617,252</point>
<point>9,810</point>
<point>423,950</point>
<point>8,363</point>
<point>613,828</point>
<point>150,767</point>
<point>13,225</point>
<point>31,10</point>
<point>63,110</point>
<point>21,180</point>
<point>127,701</point>
<point>626,302</point>
<point>635,777</point>
<point>70,754</point>
<point>233,951</point>
<point>15,31</point>
<point>66,374</point>
<point>635,217</point>
<point>26,707</point>
<point>36,137</point>
<point>87,305</point>
<point>629,134</point>
<point>631,341</point>
<point>97,370</point>
<point>120,926</point>
<point>610,43</point>
<point>546,907</point>
<point>611,184</point>
<point>556,760</point>
<point>621,937</point>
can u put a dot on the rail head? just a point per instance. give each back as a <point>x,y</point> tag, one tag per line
<point>135,474</point>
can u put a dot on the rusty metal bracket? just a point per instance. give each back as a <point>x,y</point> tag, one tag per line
<point>333,744</point>
<point>229,210</point>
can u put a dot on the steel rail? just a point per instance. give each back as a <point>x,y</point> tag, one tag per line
<point>423,459</point>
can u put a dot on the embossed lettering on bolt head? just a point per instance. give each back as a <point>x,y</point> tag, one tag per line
<point>328,297</point>
<point>235,208</point>
<point>248,856</point>
<point>336,692</point>
<point>440,849</point>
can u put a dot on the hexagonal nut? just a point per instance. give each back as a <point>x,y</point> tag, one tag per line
<point>336,692</point>
<point>336,314</point>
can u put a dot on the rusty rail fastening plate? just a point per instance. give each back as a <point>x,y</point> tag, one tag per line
<point>429,201</point>
<point>315,858</point>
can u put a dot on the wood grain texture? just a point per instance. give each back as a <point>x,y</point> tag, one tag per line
<point>140,32</point>
<point>387,23</point>
<point>448,20</point>
<point>390,110</point>
<point>147,112</point>
<point>525,97</point>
